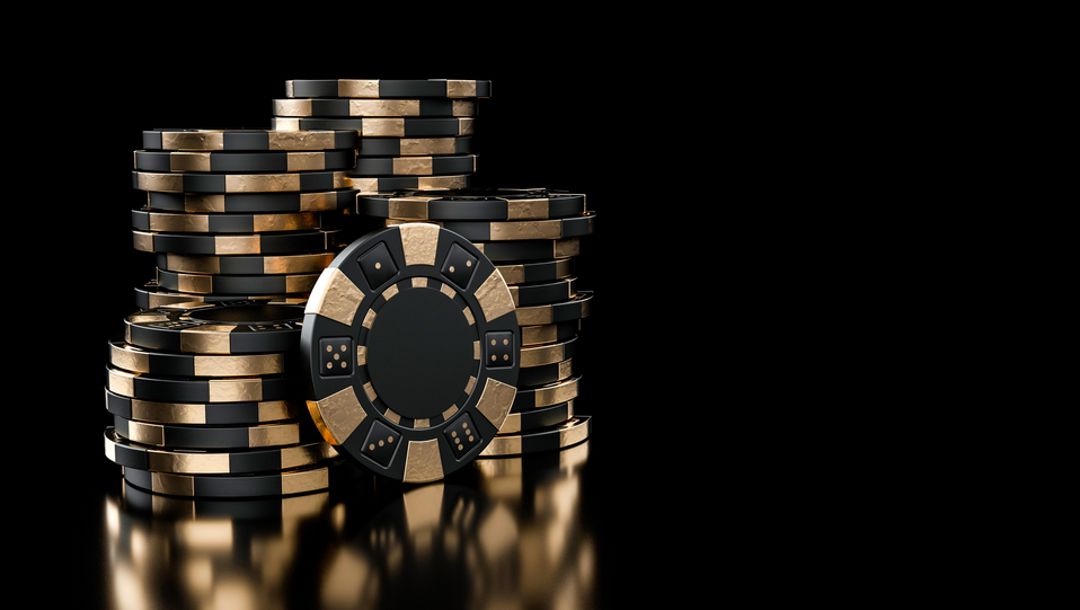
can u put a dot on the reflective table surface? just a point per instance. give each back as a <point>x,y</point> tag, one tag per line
<point>506,533</point>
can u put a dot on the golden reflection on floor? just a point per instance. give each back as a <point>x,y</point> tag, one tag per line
<point>507,534</point>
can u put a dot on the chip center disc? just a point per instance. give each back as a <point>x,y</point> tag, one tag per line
<point>421,330</point>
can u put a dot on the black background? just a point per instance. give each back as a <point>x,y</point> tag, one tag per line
<point>583,122</point>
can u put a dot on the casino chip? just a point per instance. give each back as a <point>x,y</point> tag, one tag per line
<point>217,328</point>
<point>412,348</point>
<point>378,88</point>
<point>474,205</point>
<point>567,435</point>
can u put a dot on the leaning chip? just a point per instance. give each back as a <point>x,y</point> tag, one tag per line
<point>301,480</point>
<point>571,433</point>
<point>217,328</point>
<point>412,346</point>
<point>248,461</point>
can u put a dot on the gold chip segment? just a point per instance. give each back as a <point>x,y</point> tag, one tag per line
<point>496,400</point>
<point>337,415</point>
<point>494,297</point>
<point>412,166</point>
<point>423,462</point>
<point>209,339</point>
<point>236,390</point>
<point>189,162</point>
<point>335,296</point>
<point>419,242</point>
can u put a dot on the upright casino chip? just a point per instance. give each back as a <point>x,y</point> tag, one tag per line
<point>215,162</point>
<point>415,166</point>
<point>435,107</point>
<point>406,183</point>
<point>558,228</point>
<point>202,414</point>
<point>409,147</point>
<point>571,433</point>
<point>246,265</point>
<point>474,205</point>
<point>240,284</point>
<point>138,360</point>
<point>381,88</point>
<point>301,480</point>
<point>238,183</point>
<point>221,328</point>
<point>168,222</point>
<point>251,203</point>
<point>412,345</point>
<point>574,309</point>
<point>529,250</point>
<point>537,419</point>
<point>123,453</point>
<point>246,140</point>
<point>152,296</point>
<point>408,127</point>
<point>244,389</point>
<point>293,242</point>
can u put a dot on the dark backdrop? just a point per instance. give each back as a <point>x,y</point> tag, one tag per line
<point>583,122</point>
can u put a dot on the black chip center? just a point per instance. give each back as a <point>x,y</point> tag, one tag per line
<point>420,353</point>
<point>249,314</point>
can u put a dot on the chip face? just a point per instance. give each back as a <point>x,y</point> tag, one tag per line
<point>412,345</point>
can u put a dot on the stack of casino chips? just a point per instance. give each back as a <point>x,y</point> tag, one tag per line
<point>533,237</point>
<point>237,214</point>
<point>206,400</point>
<point>204,390</point>
<point>414,134</point>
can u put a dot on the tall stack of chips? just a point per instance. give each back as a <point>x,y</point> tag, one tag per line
<point>414,134</point>
<point>533,237</point>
